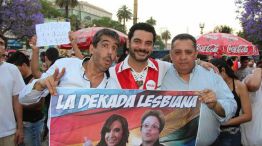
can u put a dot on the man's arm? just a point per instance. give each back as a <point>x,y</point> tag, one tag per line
<point>35,58</point>
<point>18,111</point>
<point>253,81</point>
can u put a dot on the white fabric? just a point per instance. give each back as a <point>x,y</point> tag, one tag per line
<point>73,77</point>
<point>251,132</point>
<point>11,82</point>
<point>162,65</point>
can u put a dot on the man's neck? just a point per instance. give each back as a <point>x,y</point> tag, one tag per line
<point>27,74</point>
<point>137,65</point>
<point>93,74</point>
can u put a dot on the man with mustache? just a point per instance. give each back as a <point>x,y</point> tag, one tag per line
<point>138,70</point>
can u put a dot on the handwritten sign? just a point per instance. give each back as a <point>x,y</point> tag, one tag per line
<point>52,33</point>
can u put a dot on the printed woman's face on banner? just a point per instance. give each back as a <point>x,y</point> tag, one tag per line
<point>114,135</point>
<point>150,129</point>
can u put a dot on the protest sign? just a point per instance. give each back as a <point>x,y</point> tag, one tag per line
<point>52,33</point>
<point>79,117</point>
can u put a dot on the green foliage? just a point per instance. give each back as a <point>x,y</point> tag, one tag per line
<point>124,14</point>
<point>66,4</point>
<point>159,44</point>
<point>151,21</point>
<point>166,35</point>
<point>223,29</point>
<point>49,11</point>
<point>107,22</point>
<point>75,22</point>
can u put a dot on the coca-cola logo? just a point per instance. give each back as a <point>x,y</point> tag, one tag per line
<point>209,48</point>
<point>237,49</point>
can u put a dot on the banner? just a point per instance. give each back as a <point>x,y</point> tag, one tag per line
<point>90,117</point>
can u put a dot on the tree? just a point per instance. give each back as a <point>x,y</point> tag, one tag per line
<point>159,44</point>
<point>223,29</point>
<point>49,11</point>
<point>19,18</point>
<point>151,21</point>
<point>66,4</point>
<point>124,14</point>
<point>75,22</point>
<point>250,15</point>
<point>107,22</point>
<point>166,36</point>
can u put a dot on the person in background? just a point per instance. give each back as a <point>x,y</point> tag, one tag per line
<point>11,120</point>
<point>251,134</point>
<point>244,70</point>
<point>33,118</point>
<point>230,131</point>
<point>251,63</point>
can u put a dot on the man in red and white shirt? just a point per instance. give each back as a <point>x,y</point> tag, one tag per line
<point>138,70</point>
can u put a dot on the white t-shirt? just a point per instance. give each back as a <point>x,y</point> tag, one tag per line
<point>11,82</point>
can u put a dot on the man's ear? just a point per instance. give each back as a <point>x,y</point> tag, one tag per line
<point>127,43</point>
<point>91,49</point>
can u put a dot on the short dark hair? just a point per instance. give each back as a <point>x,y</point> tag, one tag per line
<point>142,26</point>
<point>18,58</point>
<point>106,32</point>
<point>106,128</point>
<point>243,58</point>
<point>156,113</point>
<point>185,36</point>
<point>52,54</point>
<point>220,63</point>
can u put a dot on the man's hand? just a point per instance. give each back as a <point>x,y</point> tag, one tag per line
<point>208,66</point>
<point>72,38</point>
<point>52,81</point>
<point>32,43</point>
<point>19,136</point>
<point>208,97</point>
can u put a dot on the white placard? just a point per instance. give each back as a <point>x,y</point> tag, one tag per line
<point>52,33</point>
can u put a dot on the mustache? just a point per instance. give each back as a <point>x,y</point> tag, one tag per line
<point>142,50</point>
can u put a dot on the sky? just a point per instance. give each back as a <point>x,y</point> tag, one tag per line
<point>179,16</point>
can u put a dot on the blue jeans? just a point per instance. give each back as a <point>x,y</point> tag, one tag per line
<point>229,139</point>
<point>33,133</point>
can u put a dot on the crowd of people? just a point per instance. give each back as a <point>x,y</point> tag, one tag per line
<point>230,98</point>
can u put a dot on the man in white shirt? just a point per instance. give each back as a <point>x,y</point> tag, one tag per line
<point>11,82</point>
<point>73,72</point>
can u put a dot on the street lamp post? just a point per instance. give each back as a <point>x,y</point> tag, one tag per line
<point>202,26</point>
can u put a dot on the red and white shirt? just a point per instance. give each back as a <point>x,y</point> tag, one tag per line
<point>149,79</point>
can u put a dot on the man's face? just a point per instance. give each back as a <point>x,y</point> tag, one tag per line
<point>2,48</point>
<point>114,135</point>
<point>141,45</point>
<point>105,52</point>
<point>183,55</point>
<point>244,64</point>
<point>150,129</point>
